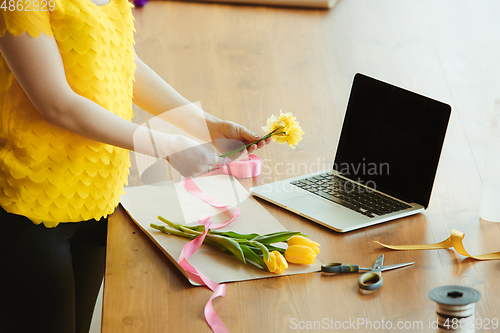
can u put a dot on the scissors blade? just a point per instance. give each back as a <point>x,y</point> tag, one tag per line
<point>378,264</point>
<point>387,268</point>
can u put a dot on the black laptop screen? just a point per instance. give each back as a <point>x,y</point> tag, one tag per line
<point>391,139</point>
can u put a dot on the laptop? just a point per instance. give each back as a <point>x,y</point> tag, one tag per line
<point>385,164</point>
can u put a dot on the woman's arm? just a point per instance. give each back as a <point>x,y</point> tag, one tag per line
<point>37,65</point>
<point>157,97</point>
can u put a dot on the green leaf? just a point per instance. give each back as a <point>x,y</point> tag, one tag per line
<point>276,237</point>
<point>276,248</point>
<point>257,250</point>
<point>233,234</point>
<point>265,251</point>
<point>251,255</point>
<point>229,244</point>
<point>270,248</point>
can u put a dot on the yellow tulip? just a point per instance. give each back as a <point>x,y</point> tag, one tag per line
<point>271,264</point>
<point>300,254</point>
<point>281,263</point>
<point>299,240</point>
<point>277,263</point>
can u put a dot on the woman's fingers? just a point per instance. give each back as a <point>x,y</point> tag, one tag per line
<point>244,134</point>
<point>219,161</point>
<point>195,160</point>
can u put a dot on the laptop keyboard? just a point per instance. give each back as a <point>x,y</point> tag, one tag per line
<point>350,195</point>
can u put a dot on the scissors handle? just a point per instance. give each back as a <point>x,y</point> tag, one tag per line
<point>337,267</point>
<point>370,281</point>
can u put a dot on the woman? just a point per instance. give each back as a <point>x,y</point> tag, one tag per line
<point>68,78</point>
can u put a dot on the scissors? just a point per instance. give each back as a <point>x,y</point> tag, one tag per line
<point>372,279</point>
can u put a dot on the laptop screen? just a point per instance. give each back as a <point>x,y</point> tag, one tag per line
<point>391,139</point>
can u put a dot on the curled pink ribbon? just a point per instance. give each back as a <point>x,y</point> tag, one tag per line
<point>188,250</point>
<point>191,187</point>
<point>245,168</point>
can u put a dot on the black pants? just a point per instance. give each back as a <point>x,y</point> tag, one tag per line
<point>49,277</point>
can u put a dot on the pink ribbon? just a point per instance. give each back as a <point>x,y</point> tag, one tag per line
<point>247,167</point>
<point>191,187</point>
<point>188,250</point>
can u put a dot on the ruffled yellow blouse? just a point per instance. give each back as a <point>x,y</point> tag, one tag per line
<point>47,173</point>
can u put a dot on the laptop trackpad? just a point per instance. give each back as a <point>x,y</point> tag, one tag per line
<point>310,205</point>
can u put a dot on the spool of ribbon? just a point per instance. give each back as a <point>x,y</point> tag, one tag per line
<point>455,308</point>
<point>455,241</point>
<point>248,167</point>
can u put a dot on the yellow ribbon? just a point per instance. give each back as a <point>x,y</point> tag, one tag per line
<point>455,241</point>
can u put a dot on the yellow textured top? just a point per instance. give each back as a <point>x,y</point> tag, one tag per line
<point>47,173</point>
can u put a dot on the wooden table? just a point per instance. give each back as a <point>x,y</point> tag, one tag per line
<point>244,63</point>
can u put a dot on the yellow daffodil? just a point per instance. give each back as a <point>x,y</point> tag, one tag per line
<point>300,254</point>
<point>299,240</point>
<point>282,129</point>
<point>294,135</point>
<point>272,124</point>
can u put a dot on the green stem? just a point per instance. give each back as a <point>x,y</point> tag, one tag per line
<point>190,231</point>
<point>268,135</point>
<point>199,227</point>
<point>169,231</point>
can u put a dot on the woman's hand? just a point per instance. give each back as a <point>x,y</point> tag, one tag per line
<point>192,158</point>
<point>228,136</point>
